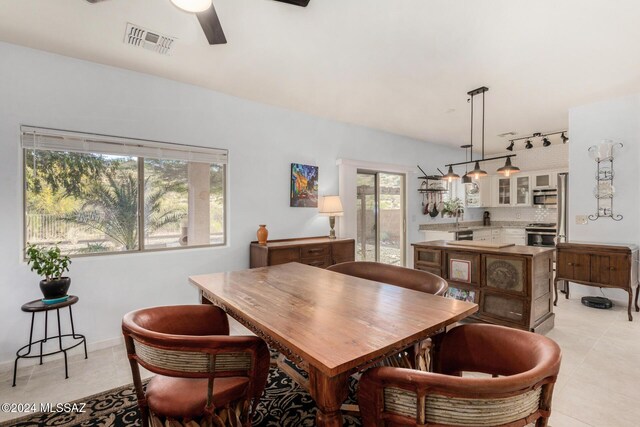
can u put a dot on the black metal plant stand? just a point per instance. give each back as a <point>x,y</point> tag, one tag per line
<point>37,306</point>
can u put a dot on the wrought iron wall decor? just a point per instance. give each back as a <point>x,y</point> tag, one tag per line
<point>603,155</point>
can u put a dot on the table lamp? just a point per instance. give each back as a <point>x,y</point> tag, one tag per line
<point>331,207</point>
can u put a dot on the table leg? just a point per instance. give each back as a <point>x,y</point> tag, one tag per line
<point>66,368</point>
<point>555,288</point>
<point>637,291</point>
<point>630,292</point>
<point>328,393</point>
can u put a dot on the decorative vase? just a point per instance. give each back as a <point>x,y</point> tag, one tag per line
<point>262,234</point>
<point>56,288</point>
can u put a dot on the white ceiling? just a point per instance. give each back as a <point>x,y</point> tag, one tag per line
<point>403,66</point>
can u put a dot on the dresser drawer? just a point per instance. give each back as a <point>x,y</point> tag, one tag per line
<point>321,262</point>
<point>431,258</point>
<point>463,267</point>
<point>505,273</point>
<point>283,256</point>
<point>315,251</point>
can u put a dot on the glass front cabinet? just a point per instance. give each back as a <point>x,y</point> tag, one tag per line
<point>512,190</point>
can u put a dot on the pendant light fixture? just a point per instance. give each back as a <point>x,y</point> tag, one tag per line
<point>451,175</point>
<point>466,178</point>
<point>508,168</point>
<point>477,171</point>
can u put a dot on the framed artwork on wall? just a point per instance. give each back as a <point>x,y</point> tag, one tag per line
<point>304,186</point>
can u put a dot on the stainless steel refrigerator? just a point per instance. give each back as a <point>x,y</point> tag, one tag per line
<point>562,224</point>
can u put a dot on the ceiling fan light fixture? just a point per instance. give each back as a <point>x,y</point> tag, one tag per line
<point>508,168</point>
<point>193,6</point>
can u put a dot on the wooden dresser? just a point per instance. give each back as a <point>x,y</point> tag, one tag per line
<point>596,264</point>
<point>316,251</point>
<point>512,285</point>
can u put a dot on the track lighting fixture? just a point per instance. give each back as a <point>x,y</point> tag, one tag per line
<point>546,142</point>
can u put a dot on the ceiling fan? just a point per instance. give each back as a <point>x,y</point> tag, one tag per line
<point>208,17</point>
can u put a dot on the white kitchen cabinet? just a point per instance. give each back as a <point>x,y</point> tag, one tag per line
<point>544,180</point>
<point>478,193</point>
<point>517,236</point>
<point>502,190</point>
<point>482,235</point>
<point>521,187</point>
<point>512,190</point>
<point>496,235</point>
<point>430,235</point>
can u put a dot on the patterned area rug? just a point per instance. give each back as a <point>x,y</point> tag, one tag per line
<point>284,404</point>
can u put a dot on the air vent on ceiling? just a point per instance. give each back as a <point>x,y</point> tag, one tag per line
<point>506,134</point>
<point>154,41</point>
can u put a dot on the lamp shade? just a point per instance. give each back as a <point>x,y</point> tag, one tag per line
<point>331,206</point>
<point>192,5</point>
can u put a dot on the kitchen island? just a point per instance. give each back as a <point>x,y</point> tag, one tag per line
<point>511,284</point>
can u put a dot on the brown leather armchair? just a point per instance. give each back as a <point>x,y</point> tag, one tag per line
<point>409,278</point>
<point>202,372</point>
<point>524,366</point>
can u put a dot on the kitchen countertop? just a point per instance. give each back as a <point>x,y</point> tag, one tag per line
<point>472,225</point>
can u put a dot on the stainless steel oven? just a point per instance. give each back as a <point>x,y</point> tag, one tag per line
<point>548,197</point>
<point>541,235</point>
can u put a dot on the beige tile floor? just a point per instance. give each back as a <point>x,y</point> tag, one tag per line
<point>596,387</point>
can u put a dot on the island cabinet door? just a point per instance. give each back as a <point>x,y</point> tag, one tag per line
<point>428,260</point>
<point>463,267</point>
<point>505,274</point>
<point>504,309</point>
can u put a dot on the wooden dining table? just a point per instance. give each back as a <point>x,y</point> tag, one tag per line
<point>328,323</point>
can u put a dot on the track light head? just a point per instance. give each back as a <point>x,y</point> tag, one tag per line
<point>529,145</point>
<point>546,142</point>
<point>564,138</point>
<point>510,147</point>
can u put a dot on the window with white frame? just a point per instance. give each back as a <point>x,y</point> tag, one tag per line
<point>96,194</point>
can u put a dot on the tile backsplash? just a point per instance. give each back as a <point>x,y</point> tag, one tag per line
<point>532,214</point>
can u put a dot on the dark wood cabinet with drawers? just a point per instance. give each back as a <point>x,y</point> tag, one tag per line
<point>512,285</point>
<point>316,251</point>
<point>604,266</point>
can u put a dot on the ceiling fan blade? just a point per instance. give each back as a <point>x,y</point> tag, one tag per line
<point>302,3</point>
<point>211,26</point>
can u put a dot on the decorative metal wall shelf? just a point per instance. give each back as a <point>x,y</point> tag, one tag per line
<point>604,191</point>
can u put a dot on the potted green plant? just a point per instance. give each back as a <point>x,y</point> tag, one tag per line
<point>50,264</point>
<point>453,208</point>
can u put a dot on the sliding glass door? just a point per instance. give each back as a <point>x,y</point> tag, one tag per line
<point>381,217</point>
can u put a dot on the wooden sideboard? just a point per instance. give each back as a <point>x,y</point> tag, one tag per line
<point>596,264</point>
<point>511,285</point>
<point>315,251</point>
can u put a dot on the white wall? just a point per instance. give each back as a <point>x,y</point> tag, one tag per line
<point>618,120</point>
<point>42,89</point>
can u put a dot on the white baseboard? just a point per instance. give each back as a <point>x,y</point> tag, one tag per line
<point>91,346</point>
